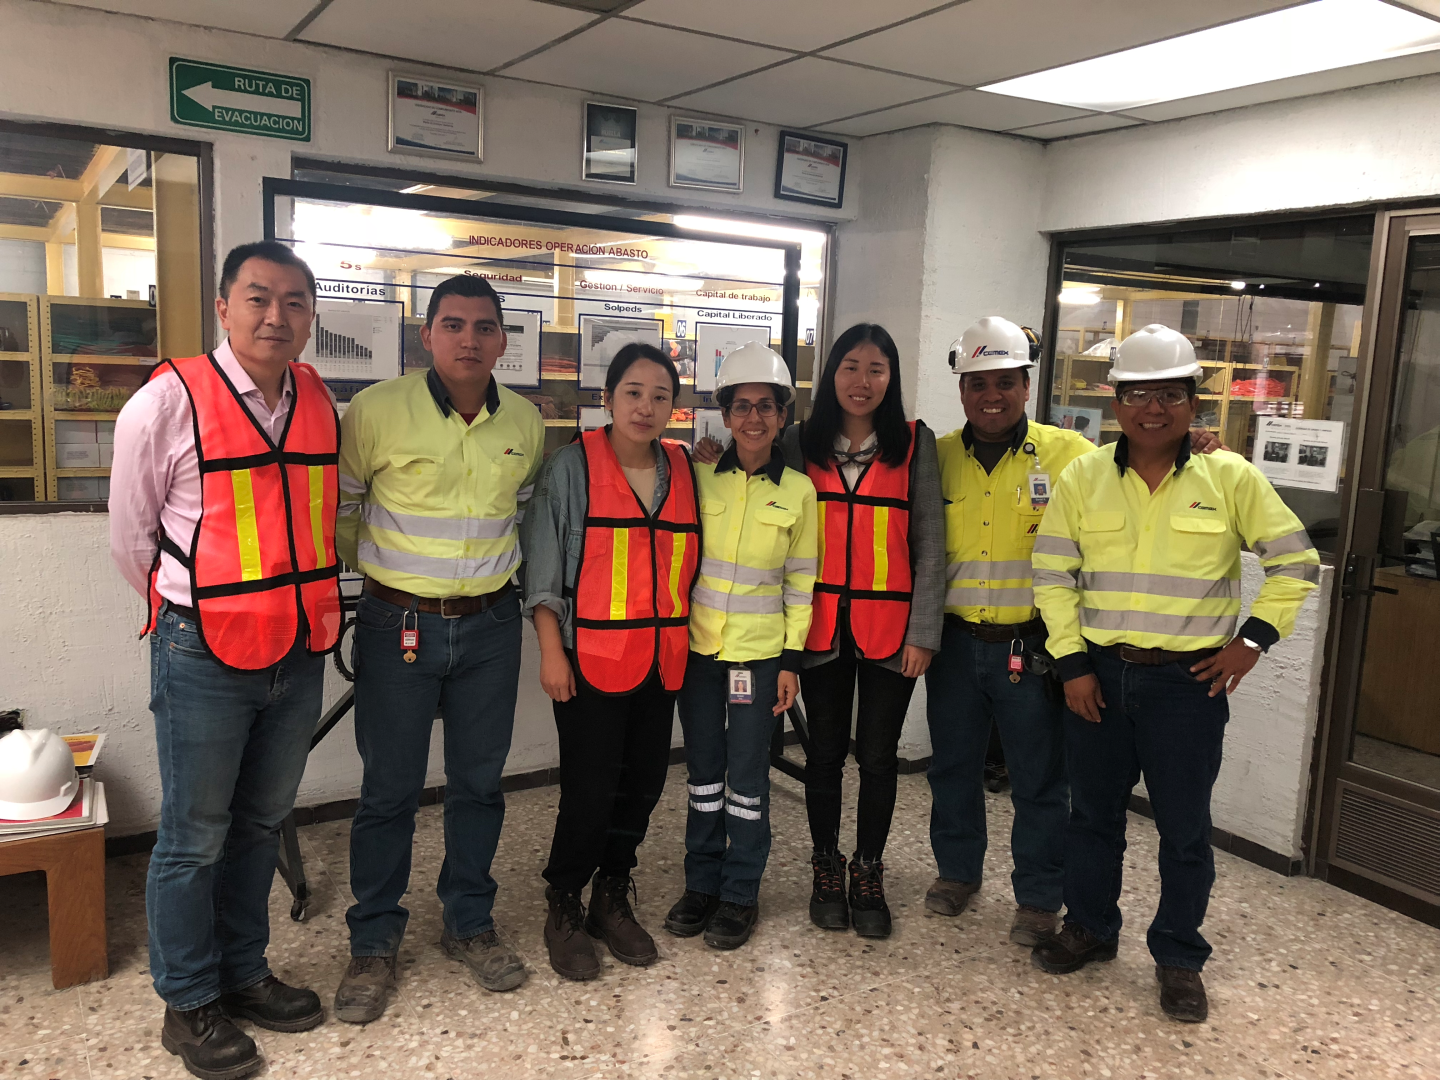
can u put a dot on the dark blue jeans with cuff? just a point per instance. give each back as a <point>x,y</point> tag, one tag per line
<point>467,669</point>
<point>727,757</point>
<point>1162,723</point>
<point>968,688</point>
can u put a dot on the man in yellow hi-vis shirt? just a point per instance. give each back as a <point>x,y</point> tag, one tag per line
<point>435,469</point>
<point>1137,574</point>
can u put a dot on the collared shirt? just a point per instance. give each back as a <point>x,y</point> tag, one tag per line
<point>774,469</point>
<point>441,393</point>
<point>1122,454</point>
<point>155,480</point>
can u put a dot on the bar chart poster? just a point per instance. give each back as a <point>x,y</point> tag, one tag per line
<point>356,339</point>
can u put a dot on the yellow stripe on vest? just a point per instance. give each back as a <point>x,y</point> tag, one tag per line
<point>245,529</point>
<point>881,538</point>
<point>820,511</point>
<point>619,573</point>
<point>679,548</point>
<point>317,512</point>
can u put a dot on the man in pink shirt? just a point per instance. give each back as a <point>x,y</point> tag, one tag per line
<point>232,734</point>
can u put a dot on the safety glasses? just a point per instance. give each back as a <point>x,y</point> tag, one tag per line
<point>1168,396</point>
<point>767,407</point>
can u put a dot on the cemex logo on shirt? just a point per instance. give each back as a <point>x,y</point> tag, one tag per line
<point>1198,506</point>
<point>777,506</point>
<point>986,351</point>
<point>1031,531</point>
<point>511,451</point>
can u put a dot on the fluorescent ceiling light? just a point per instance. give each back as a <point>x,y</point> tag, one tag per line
<point>1079,295</point>
<point>1318,36</point>
<point>1238,286</point>
<point>748,228</point>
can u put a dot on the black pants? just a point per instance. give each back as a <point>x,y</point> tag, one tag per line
<point>829,703</point>
<point>614,752</point>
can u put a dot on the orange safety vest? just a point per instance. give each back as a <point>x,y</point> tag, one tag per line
<point>262,564</point>
<point>864,555</point>
<point>632,595</point>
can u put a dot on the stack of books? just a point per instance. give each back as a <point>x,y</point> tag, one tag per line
<point>86,811</point>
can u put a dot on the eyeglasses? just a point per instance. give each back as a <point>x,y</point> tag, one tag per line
<point>767,407</point>
<point>1166,395</point>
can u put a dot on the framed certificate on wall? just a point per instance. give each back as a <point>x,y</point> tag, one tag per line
<point>609,151</point>
<point>811,169</point>
<point>434,118</point>
<point>705,154</point>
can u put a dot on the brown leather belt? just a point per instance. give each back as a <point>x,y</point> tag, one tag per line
<point>1000,631</point>
<point>449,607</point>
<point>1156,657</point>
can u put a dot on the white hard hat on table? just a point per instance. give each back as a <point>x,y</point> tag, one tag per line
<point>1154,352</point>
<point>992,344</point>
<point>755,363</point>
<point>37,775</point>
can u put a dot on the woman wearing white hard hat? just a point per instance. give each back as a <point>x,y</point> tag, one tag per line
<point>749,616</point>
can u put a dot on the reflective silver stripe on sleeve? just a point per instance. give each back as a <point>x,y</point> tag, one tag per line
<point>1061,546</point>
<point>1295,544</point>
<point>1160,585</point>
<point>972,597</point>
<point>802,566</point>
<point>740,575</point>
<point>1304,571</point>
<point>796,597</point>
<point>707,807</point>
<point>741,812</point>
<point>351,485</point>
<point>348,508</point>
<point>985,570</point>
<point>1151,622</point>
<point>437,528</point>
<point>744,800</point>
<point>405,562</point>
<point>1062,578</point>
<point>746,605</point>
<point>705,789</point>
<point>525,493</point>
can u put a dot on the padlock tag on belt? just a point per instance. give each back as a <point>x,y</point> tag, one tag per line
<point>1016,660</point>
<point>409,639</point>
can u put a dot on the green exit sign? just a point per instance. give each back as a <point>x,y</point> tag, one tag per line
<point>239,99</point>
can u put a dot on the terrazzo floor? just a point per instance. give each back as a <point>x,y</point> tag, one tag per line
<point>1307,980</point>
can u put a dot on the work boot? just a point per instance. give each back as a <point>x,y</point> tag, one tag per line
<point>828,907</point>
<point>572,953</point>
<point>1032,925</point>
<point>365,989</point>
<point>1071,949</point>
<point>209,1043</point>
<point>495,965</point>
<point>1182,994</point>
<point>947,897</point>
<point>272,1004</point>
<point>731,925</point>
<point>612,920</point>
<point>691,914</point>
<point>868,910</point>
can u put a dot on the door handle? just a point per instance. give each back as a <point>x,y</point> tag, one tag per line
<point>1355,590</point>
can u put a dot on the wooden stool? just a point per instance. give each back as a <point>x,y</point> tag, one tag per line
<point>74,866</point>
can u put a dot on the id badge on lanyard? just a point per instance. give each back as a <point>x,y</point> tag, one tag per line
<point>742,686</point>
<point>1039,484</point>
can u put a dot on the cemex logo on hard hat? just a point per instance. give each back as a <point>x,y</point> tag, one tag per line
<point>985,350</point>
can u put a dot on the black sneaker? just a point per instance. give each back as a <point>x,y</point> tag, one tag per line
<point>1071,949</point>
<point>868,910</point>
<point>828,907</point>
<point>691,914</point>
<point>731,925</point>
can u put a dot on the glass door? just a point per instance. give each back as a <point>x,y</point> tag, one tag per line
<point>1380,817</point>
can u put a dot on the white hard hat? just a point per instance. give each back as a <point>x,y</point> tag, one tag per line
<point>37,775</point>
<point>992,344</point>
<point>1154,352</point>
<point>753,362</point>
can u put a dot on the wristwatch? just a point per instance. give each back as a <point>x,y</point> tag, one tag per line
<point>1251,644</point>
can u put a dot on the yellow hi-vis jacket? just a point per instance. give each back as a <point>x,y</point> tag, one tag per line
<point>428,503</point>
<point>751,600</point>
<point>1115,564</point>
<point>991,519</point>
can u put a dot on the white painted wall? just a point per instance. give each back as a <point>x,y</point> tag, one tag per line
<point>22,266</point>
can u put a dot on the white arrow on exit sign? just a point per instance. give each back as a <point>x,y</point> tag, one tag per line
<point>208,96</point>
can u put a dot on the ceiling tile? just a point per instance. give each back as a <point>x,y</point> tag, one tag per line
<point>474,37</point>
<point>983,41</point>
<point>1320,82</point>
<point>807,91</point>
<point>789,24</point>
<point>270,18</point>
<point>662,62</point>
<point>967,108</point>
<point>1084,125</point>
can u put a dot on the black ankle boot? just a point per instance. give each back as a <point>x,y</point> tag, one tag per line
<point>209,1043</point>
<point>868,911</point>
<point>828,909</point>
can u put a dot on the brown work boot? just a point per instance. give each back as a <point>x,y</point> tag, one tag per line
<point>496,966</point>
<point>1182,994</point>
<point>364,989</point>
<point>572,953</point>
<point>612,920</point>
<point>1071,949</point>
<point>950,898</point>
<point>1032,925</point>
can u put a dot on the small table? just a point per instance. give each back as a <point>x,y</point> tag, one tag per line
<point>74,867</point>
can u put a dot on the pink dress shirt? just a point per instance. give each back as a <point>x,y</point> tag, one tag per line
<point>155,479</point>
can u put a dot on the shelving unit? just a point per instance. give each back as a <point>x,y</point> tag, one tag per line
<point>22,467</point>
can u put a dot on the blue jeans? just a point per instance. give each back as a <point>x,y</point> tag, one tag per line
<point>231,747</point>
<point>1159,721</point>
<point>469,670</point>
<point>728,766</point>
<point>968,688</point>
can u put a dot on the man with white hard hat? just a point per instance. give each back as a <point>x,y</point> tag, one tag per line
<point>1137,574</point>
